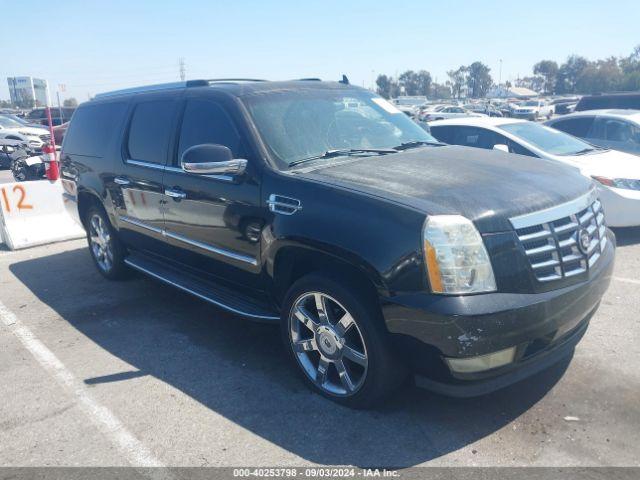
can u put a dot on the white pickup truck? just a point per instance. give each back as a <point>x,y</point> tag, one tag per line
<point>533,110</point>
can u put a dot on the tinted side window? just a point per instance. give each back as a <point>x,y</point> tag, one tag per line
<point>92,128</point>
<point>207,122</point>
<point>444,134</point>
<point>472,137</point>
<point>618,131</point>
<point>519,149</point>
<point>578,127</point>
<point>150,130</point>
<point>39,113</point>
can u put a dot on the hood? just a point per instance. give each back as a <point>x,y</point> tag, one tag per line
<point>32,131</point>
<point>610,163</point>
<point>486,186</point>
<point>27,131</point>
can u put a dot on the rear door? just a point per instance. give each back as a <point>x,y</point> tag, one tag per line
<point>618,134</point>
<point>145,146</point>
<point>215,223</point>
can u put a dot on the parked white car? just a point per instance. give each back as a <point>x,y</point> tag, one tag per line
<point>12,130</point>
<point>448,111</point>
<point>617,174</point>
<point>615,129</point>
<point>533,110</point>
<point>409,104</point>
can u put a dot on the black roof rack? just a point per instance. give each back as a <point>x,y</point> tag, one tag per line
<point>175,85</point>
<point>197,83</point>
<point>230,80</point>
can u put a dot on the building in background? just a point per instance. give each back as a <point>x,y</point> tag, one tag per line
<point>28,92</point>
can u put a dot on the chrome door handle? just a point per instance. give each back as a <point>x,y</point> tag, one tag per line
<point>122,181</point>
<point>178,194</point>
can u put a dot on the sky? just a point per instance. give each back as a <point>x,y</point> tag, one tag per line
<point>92,46</point>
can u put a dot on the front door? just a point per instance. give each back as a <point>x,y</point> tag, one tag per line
<point>139,175</point>
<point>213,221</point>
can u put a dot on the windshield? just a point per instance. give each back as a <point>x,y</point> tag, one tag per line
<point>8,123</point>
<point>306,123</point>
<point>530,103</point>
<point>547,139</point>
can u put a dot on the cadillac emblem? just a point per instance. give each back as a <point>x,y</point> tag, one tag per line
<point>584,240</point>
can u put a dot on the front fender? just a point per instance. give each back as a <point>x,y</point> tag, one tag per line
<point>381,238</point>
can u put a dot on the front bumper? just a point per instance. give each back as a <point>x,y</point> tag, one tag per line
<point>543,327</point>
<point>525,115</point>
<point>621,206</point>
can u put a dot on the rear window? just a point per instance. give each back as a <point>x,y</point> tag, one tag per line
<point>150,130</point>
<point>92,127</point>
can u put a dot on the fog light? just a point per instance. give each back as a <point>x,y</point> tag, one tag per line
<point>482,362</point>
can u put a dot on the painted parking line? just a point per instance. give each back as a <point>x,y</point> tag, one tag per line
<point>627,280</point>
<point>136,453</point>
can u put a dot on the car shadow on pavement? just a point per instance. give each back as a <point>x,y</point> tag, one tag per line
<point>239,370</point>
<point>627,236</point>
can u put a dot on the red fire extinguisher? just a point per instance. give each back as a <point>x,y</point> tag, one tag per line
<point>51,163</point>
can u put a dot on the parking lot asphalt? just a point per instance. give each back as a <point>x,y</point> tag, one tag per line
<point>6,176</point>
<point>97,373</point>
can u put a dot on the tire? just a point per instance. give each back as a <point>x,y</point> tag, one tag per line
<point>20,171</point>
<point>370,369</point>
<point>106,249</point>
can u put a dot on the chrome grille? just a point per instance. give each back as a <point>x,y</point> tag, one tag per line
<point>563,241</point>
<point>45,137</point>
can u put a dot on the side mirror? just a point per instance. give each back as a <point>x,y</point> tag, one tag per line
<point>502,147</point>
<point>211,159</point>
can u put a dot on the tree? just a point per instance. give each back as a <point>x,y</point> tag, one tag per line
<point>548,69</point>
<point>383,84</point>
<point>600,76</point>
<point>535,83</point>
<point>479,80</point>
<point>569,72</point>
<point>439,90</point>
<point>408,82</point>
<point>423,81</point>
<point>26,102</point>
<point>457,80</point>
<point>70,102</point>
<point>631,70</point>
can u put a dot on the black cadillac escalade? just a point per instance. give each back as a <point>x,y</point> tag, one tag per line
<point>320,207</point>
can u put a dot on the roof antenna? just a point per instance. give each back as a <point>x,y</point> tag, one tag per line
<point>344,80</point>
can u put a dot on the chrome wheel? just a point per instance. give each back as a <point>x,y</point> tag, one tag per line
<point>100,242</point>
<point>328,344</point>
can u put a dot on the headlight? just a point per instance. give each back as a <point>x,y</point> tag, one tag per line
<point>624,183</point>
<point>455,256</point>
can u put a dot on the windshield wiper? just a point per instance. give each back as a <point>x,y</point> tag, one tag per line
<point>343,152</point>
<point>417,143</point>
<point>583,151</point>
